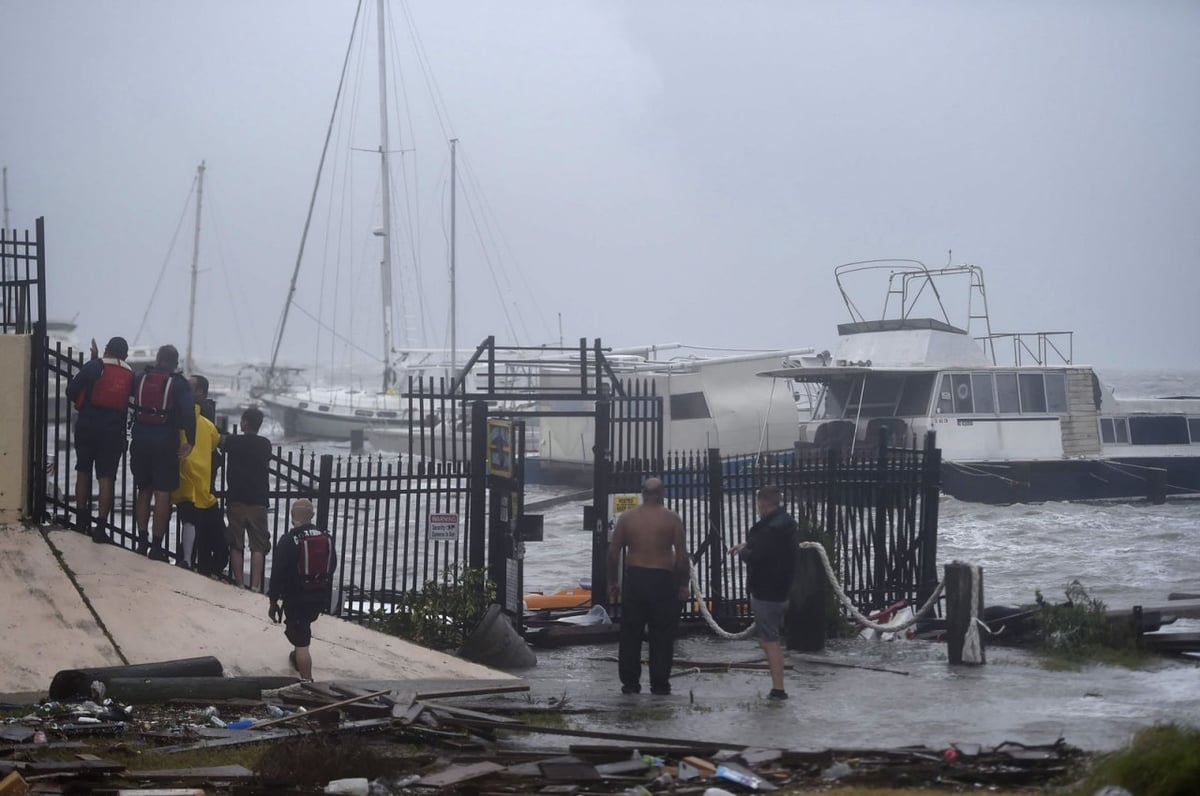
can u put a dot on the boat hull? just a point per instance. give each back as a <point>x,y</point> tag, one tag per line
<point>1072,480</point>
<point>307,418</point>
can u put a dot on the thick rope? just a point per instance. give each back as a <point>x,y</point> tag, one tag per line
<point>972,652</point>
<point>837,587</point>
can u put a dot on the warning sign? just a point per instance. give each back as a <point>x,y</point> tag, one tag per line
<point>623,502</point>
<point>500,448</point>
<point>443,527</point>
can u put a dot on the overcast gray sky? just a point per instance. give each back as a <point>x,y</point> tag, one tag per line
<point>651,171</point>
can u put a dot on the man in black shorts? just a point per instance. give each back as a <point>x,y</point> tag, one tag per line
<point>163,408</point>
<point>100,391</point>
<point>302,579</point>
<point>769,554</point>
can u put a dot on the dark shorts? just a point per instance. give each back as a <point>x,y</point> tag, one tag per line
<point>246,520</point>
<point>155,464</point>
<point>298,618</point>
<point>768,618</point>
<point>100,449</point>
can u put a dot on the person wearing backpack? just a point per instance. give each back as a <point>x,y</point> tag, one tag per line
<point>302,580</point>
<point>164,431</point>
<point>100,391</point>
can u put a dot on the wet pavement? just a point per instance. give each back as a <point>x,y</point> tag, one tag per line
<point>1011,698</point>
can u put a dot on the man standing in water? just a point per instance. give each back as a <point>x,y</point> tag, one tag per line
<point>655,584</point>
<point>769,554</point>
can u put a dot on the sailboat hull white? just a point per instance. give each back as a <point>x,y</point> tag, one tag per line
<point>335,417</point>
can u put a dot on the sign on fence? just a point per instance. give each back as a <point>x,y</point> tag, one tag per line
<point>443,527</point>
<point>623,502</point>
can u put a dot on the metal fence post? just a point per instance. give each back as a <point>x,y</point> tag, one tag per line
<point>716,530</point>
<point>324,490</point>
<point>477,507</point>
<point>931,468</point>
<point>600,485</point>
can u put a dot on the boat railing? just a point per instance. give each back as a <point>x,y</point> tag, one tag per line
<point>1032,348</point>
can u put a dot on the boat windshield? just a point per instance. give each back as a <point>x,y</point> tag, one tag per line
<point>876,395</point>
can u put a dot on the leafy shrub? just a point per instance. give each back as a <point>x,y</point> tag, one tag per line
<point>443,613</point>
<point>1079,628</point>
<point>1163,760</point>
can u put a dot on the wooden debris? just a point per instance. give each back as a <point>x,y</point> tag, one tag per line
<point>456,774</point>
<point>209,774</point>
<point>322,709</point>
<point>146,690</point>
<point>13,784</point>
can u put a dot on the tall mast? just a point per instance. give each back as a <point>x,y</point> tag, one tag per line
<point>386,264</point>
<point>187,362</point>
<point>453,241</point>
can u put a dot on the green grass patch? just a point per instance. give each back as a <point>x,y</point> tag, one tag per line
<point>443,613</point>
<point>1163,760</point>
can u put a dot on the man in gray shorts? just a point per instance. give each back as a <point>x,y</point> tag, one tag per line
<point>248,460</point>
<point>769,554</point>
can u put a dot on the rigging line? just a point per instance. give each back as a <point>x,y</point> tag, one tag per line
<point>237,327</point>
<point>413,194</point>
<point>491,268</point>
<point>504,246</point>
<point>166,260</point>
<point>349,343</point>
<point>431,84</point>
<point>316,186</point>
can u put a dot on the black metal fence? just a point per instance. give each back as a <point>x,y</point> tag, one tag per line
<point>876,510</point>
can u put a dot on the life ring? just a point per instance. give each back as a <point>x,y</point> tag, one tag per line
<point>964,392</point>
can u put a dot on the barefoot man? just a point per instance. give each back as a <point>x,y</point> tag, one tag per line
<point>655,584</point>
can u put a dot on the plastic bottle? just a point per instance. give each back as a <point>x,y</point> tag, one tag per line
<point>216,721</point>
<point>240,724</point>
<point>741,778</point>
<point>276,711</point>
<point>39,737</point>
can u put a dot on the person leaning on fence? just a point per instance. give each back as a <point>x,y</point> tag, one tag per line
<point>202,542</point>
<point>248,458</point>
<point>301,582</point>
<point>655,584</point>
<point>163,408</point>
<point>100,391</point>
<point>769,554</point>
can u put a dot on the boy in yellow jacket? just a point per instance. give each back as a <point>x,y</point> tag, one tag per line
<point>203,537</point>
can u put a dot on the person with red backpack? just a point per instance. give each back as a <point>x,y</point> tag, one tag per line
<point>101,392</point>
<point>164,431</point>
<point>302,570</point>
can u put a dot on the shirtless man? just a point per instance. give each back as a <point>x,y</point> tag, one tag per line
<point>656,583</point>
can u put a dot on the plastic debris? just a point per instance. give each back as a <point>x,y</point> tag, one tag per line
<point>351,786</point>
<point>836,771</point>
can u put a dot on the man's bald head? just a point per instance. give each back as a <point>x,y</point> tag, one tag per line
<point>302,512</point>
<point>653,491</point>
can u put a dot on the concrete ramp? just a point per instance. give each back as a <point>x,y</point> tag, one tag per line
<point>156,611</point>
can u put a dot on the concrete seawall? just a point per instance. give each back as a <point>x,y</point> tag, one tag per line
<point>69,603</point>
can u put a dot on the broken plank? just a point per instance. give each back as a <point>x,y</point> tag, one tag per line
<point>252,736</point>
<point>609,736</point>
<point>452,711</point>
<point>572,772</point>
<point>456,774</point>
<point>210,773</point>
<point>321,709</point>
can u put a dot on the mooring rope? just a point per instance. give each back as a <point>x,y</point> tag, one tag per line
<point>972,652</point>
<point>837,588</point>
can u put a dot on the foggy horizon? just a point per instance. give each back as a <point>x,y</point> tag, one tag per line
<point>651,173</point>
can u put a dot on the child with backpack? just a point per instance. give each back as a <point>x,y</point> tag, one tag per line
<point>301,582</point>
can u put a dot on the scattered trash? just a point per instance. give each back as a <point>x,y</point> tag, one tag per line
<point>836,771</point>
<point>353,786</point>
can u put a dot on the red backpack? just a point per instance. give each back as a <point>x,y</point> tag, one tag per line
<point>314,560</point>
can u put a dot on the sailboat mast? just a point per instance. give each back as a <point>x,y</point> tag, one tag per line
<point>5,197</point>
<point>453,276</point>
<point>386,263</point>
<point>187,366</point>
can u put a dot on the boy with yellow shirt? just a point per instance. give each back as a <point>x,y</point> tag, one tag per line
<point>203,537</point>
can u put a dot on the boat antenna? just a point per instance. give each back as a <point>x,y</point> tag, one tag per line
<point>187,360</point>
<point>312,202</point>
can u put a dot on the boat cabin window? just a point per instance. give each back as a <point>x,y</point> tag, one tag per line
<point>880,395</point>
<point>1033,392</point>
<point>982,393</point>
<point>1163,430</point>
<point>689,406</point>
<point>1114,430</point>
<point>363,413</point>
<point>1194,428</point>
<point>1056,393</point>
<point>1006,393</point>
<point>387,413</point>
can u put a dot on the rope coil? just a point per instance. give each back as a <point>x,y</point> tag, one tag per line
<point>837,587</point>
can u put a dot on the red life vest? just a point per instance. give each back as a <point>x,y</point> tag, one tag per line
<point>154,397</point>
<point>111,390</point>
<point>314,561</point>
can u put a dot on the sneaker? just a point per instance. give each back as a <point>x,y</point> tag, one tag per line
<point>631,689</point>
<point>157,553</point>
<point>777,693</point>
<point>99,536</point>
<point>664,690</point>
<point>143,543</point>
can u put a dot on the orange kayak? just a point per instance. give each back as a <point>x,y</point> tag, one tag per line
<point>577,597</point>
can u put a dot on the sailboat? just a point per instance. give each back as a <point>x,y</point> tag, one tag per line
<point>336,412</point>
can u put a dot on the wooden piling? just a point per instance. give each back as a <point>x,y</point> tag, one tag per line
<point>808,610</point>
<point>964,604</point>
